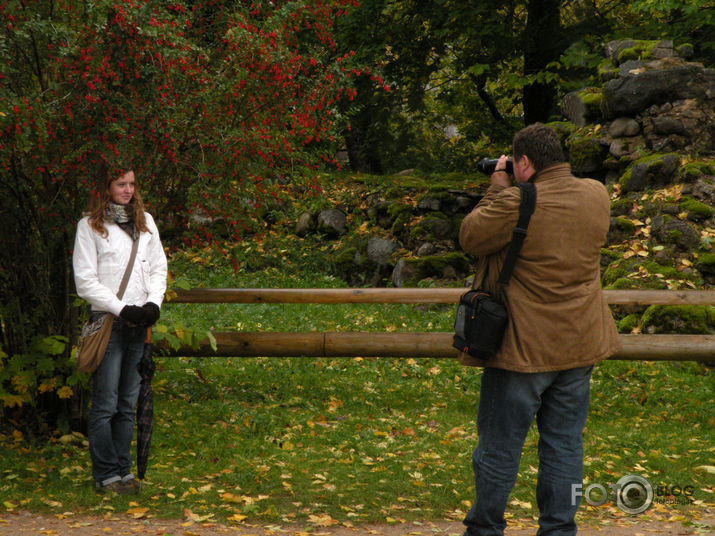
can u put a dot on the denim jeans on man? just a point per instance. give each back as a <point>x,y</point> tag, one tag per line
<point>115,389</point>
<point>507,405</point>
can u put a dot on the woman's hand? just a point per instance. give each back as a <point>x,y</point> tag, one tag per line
<point>133,314</point>
<point>151,312</point>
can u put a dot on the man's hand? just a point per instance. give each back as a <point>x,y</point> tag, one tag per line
<point>500,177</point>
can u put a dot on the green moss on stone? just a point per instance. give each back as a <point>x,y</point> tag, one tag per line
<point>689,319</point>
<point>654,162</point>
<point>591,97</point>
<point>627,324</point>
<point>625,224</point>
<point>345,260</point>
<point>666,271</point>
<point>398,209</point>
<point>642,50</point>
<point>563,130</point>
<point>674,236</point>
<point>691,172</point>
<point>583,149</point>
<point>621,283</point>
<point>607,71</point>
<point>696,209</point>
<point>434,265</point>
<point>608,255</point>
<point>622,205</point>
<point>433,228</point>
<point>706,259</point>
<point>615,272</point>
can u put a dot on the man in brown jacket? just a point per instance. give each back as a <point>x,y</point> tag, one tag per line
<point>559,326</point>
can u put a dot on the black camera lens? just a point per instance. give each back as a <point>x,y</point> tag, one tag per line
<point>487,165</point>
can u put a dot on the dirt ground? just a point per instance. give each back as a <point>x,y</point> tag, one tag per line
<point>25,523</point>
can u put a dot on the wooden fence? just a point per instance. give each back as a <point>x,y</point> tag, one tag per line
<point>418,344</point>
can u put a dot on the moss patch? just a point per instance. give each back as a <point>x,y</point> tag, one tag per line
<point>583,150</point>
<point>621,206</point>
<point>654,164</point>
<point>642,50</point>
<point>689,319</point>
<point>625,225</point>
<point>629,323</point>
<point>434,266</point>
<point>622,283</point>
<point>696,210</point>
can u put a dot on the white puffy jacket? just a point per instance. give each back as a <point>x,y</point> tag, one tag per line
<point>99,264</point>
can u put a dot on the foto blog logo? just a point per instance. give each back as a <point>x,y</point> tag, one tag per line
<point>633,494</point>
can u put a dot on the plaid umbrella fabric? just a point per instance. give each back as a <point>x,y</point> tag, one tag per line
<point>145,407</point>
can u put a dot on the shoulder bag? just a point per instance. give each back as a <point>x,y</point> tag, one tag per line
<point>481,316</point>
<point>95,335</point>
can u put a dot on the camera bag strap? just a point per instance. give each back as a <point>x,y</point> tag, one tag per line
<point>526,209</point>
<point>128,270</point>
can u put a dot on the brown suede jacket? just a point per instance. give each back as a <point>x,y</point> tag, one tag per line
<point>558,317</point>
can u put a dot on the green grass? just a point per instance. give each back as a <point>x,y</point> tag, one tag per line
<point>279,440</point>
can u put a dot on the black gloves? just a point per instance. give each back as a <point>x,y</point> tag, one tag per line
<point>133,314</point>
<point>151,312</point>
<point>147,315</point>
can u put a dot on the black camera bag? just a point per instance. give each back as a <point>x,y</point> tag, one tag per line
<point>482,317</point>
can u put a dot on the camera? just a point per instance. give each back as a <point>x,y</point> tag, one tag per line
<point>487,165</point>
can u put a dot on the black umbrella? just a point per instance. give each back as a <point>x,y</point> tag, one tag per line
<point>145,407</point>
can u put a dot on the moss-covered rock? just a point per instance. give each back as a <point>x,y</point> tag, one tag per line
<point>706,266</point>
<point>621,206</point>
<point>621,283</point>
<point>345,260</point>
<point>629,323</point>
<point>607,71</point>
<point>618,270</point>
<point>620,229</point>
<point>650,171</point>
<point>680,234</point>
<point>437,201</point>
<point>687,319</point>
<point>563,130</point>
<point>642,50</point>
<point>434,227</point>
<point>609,256</point>
<point>690,173</point>
<point>626,225</point>
<point>586,154</point>
<point>667,271</point>
<point>437,266</point>
<point>697,210</point>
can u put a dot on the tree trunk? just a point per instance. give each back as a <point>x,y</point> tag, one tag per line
<point>543,44</point>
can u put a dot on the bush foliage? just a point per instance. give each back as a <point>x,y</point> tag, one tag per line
<point>215,102</point>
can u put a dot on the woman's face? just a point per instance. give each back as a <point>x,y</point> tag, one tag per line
<point>121,190</point>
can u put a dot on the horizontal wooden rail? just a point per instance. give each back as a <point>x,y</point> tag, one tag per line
<point>410,295</point>
<point>416,344</point>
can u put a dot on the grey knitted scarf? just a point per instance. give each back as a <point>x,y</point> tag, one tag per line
<point>122,215</point>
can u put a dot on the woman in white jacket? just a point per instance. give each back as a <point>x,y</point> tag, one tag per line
<point>101,254</point>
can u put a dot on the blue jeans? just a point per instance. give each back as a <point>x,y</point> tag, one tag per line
<point>507,405</point>
<point>115,389</point>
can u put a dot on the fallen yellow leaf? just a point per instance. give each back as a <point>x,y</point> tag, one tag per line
<point>138,513</point>
<point>237,518</point>
<point>322,520</point>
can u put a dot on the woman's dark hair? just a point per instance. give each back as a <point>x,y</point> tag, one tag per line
<point>99,200</point>
<point>540,143</point>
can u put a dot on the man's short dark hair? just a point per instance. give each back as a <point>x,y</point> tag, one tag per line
<point>540,143</point>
